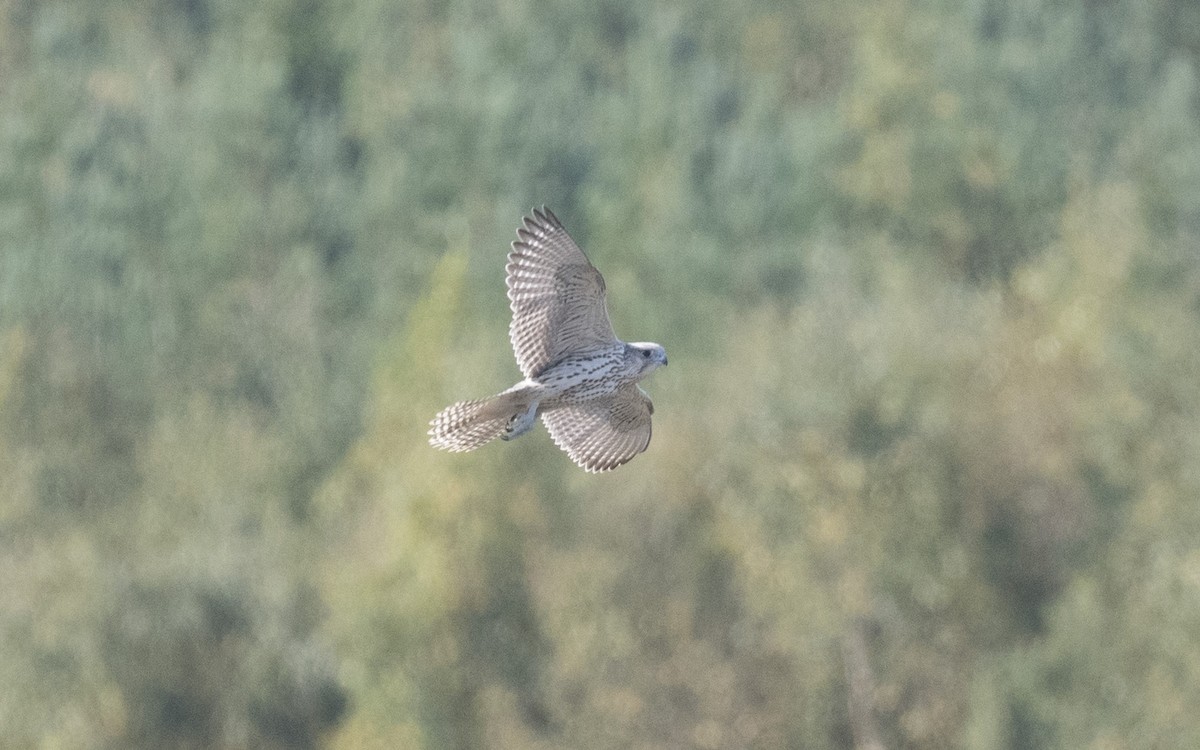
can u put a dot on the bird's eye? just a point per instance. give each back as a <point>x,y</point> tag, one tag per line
<point>646,353</point>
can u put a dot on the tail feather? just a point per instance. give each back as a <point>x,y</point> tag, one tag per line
<point>468,425</point>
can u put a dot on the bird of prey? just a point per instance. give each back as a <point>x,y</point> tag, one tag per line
<point>579,377</point>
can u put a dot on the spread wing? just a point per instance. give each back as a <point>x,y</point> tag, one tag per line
<point>603,433</point>
<point>556,295</point>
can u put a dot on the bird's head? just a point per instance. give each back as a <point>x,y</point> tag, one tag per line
<point>647,356</point>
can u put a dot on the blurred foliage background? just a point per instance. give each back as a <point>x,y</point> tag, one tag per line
<point>926,467</point>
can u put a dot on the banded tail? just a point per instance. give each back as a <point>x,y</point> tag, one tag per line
<point>468,425</point>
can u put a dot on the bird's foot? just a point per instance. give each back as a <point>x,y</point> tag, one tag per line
<point>521,423</point>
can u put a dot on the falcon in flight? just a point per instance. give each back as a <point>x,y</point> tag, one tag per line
<point>579,377</point>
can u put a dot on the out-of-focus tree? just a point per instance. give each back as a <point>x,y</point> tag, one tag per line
<point>922,473</point>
